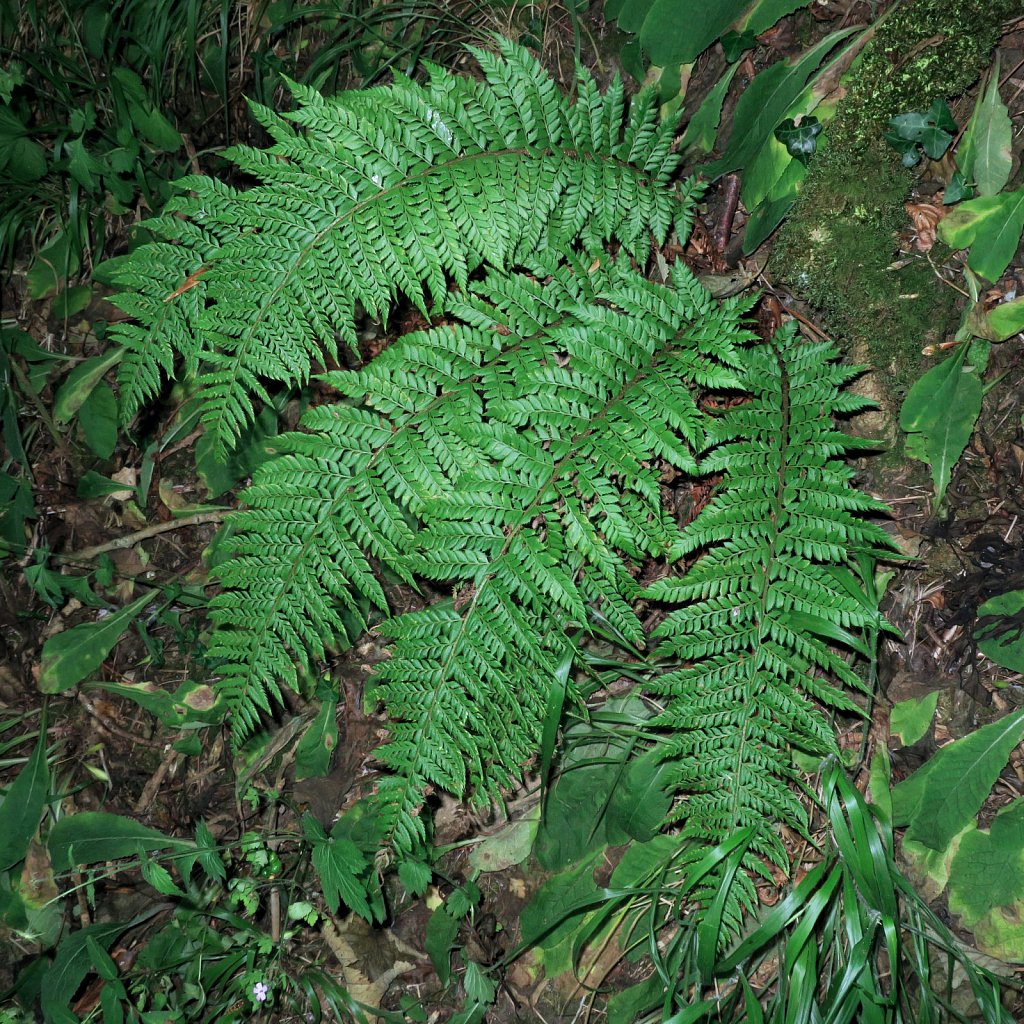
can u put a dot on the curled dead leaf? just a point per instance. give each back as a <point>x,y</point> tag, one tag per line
<point>925,218</point>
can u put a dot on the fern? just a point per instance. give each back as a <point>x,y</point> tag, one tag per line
<point>375,194</point>
<point>513,454</point>
<point>761,609</point>
<point>506,437</point>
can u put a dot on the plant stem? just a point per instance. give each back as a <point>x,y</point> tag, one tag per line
<point>87,554</point>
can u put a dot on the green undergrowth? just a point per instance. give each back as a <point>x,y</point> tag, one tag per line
<point>841,236</point>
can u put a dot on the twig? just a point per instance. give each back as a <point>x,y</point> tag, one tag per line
<point>731,199</point>
<point>171,758</point>
<point>115,730</point>
<point>87,554</point>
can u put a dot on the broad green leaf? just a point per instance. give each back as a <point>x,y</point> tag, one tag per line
<point>94,485</point>
<point>316,746</point>
<point>642,800</point>
<point>990,226</point>
<point>71,301</point>
<point>76,653</point>
<point>955,783</point>
<point>677,32</point>
<point>1000,630</point>
<point>593,767</point>
<point>766,102</point>
<point>508,847</point>
<point>770,214</point>
<point>703,126</point>
<point>764,172</point>
<point>52,266</point>
<point>155,128</point>
<point>986,884</point>
<point>72,963</point>
<point>558,905</point>
<point>911,719</point>
<point>80,382</point>
<point>23,806</point>
<point>630,14</point>
<point>442,931</point>
<point>985,155</point>
<point>634,1002</point>
<point>98,421</point>
<point>765,13</point>
<point>1006,320</point>
<point>643,861</point>
<point>94,836</point>
<point>939,414</point>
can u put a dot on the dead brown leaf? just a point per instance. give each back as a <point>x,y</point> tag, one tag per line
<point>925,218</point>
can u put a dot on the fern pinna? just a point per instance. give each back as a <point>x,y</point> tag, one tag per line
<point>373,194</point>
<point>760,610</point>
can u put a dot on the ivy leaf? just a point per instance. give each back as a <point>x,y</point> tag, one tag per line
<point>766,102</point>
<point>800,140</point>
<point>957,189</point>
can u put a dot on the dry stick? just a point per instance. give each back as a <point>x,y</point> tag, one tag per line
<point>732,198</point>
<point>113,727</point>
<point>87,554</point>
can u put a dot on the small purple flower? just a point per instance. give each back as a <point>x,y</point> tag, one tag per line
<point>260,992</point>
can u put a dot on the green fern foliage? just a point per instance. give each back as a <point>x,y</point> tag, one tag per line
<point>512,456</point>
<point>762,611</point>
<point>370,195</point>
<point>510,459</point>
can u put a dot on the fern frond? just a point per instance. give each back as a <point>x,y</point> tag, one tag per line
<point>523,446</point>
<point>371,195</point>
<point>758,615</point>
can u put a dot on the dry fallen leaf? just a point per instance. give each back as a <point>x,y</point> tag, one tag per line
<point>925,217</point>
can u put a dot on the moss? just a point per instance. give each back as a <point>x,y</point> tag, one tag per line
<point>922,51</point>
<point>838,244</point>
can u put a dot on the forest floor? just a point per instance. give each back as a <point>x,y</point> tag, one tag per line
<point>116,756</point>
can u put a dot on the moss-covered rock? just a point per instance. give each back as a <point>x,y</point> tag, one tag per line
<point>837,247</point>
